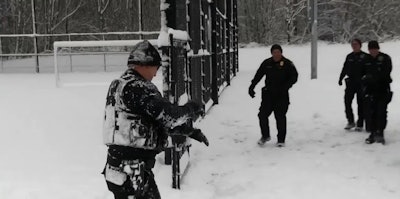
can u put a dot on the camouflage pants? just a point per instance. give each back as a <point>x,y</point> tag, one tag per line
<point>124,191</point>
<point>131,178</point>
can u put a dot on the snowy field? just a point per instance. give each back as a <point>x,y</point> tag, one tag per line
<point>51,141</point>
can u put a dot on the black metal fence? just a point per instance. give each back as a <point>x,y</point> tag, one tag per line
<point>212,59</point>
<point>203,70</point>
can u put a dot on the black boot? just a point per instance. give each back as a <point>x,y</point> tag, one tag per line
<point>370,139</point>
<point>350,125</point>
<point>379,138</point>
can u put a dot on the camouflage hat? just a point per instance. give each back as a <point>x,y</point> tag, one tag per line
<point>144,54</point>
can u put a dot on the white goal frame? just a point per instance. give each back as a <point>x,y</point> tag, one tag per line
<point>61,44</point>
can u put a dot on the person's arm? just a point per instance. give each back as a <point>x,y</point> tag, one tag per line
<point>151,104</point>
<point>259,75</point>
<point>257,78</point>
<point>387,70</point>
<point>194,133</point>
<point>344,71</point>
<point>293,75</point>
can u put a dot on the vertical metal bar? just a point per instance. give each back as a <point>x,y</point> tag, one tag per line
<point>203,47</point>
<point>314,44</point>
<point>70,55</point>
<point>236,39</point>
<point>176,167</point>
<point>214,73</point>
<point>187,69</point>
<point>228,41</point>
<point>1,63</point>
<point>173,79</point>
<point>1,57</point>
<point>55,48</point>
<point>35,48</point>
<point>104,57</point>
<point>140,18</point>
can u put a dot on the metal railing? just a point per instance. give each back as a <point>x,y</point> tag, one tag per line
<point>68,37</point>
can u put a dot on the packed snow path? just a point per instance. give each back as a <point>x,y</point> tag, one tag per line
<point>51,144</point>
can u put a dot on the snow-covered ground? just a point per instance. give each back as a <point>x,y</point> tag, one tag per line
<point>51,144</point>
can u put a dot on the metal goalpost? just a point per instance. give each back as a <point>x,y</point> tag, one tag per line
<point>69,44</point>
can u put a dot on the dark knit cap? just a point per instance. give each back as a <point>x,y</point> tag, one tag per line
<point>276,47</point>
<point>373,45</point>
<point>144,54</point>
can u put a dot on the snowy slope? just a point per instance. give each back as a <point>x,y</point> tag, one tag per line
<point>51,144</point>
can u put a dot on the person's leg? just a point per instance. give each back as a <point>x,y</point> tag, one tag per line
<point>360,106</point>
<point>348,100</point>
<point>120,196</point>
<point>265,112</point>
<point>371,116</point>
<point>381,120</point>
<point>152,189</point>
<point>118,191</point>
<point>367,108</point>
<point>280,110</point>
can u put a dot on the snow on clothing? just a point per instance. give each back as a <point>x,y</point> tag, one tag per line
<point>136,127</point>
<point>377,91</point>
<point>279,78</point>
<point>136,115</point>
<point>353,69</point>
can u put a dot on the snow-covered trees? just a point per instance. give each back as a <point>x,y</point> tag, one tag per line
<point>73,16</point>
<point>267,21</point>
<point>262,21</point>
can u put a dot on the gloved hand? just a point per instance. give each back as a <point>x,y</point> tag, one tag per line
<point>199,136</point>
<point>340,82</point>
<point>251,91</point>
<point>196,108</point>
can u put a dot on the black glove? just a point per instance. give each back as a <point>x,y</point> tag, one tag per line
<point>340,82</point>
<point>195,107</point>
<point>251,91</point>
<point>178,139</point>
<point>199,136</point>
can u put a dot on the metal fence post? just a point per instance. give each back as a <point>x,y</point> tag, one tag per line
<point>314,44</point>
<point>236,37</point>
<point>70,55</point>
<point>35,48</point>
<point>228,41</point>
<point>140,18</point>
<point>215,72</point>
<point>1,53</point>
<point>104,57</point>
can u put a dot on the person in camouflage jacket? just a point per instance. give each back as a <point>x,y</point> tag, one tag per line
<point>137,123</point>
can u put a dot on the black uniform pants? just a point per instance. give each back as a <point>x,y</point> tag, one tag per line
<point>351,90</point>
<point>376,112</point>
<point>279,104</point>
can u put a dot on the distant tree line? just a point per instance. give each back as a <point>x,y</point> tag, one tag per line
<point>261,21</point>
<point>73,16</point>
<point>269,21</point>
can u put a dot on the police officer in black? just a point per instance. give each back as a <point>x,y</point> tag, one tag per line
<point>352,68</point>
<point>280,75</point>
<point>377,91</point>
